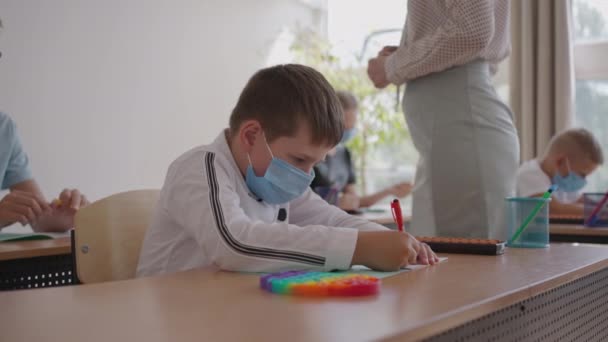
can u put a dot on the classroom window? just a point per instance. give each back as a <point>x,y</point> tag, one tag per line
<point>383,151</point>
<point>590,49</point>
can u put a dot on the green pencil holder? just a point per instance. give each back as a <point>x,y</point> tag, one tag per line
<point>536,233</point>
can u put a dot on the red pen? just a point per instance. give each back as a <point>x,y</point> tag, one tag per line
<point>397,214</point>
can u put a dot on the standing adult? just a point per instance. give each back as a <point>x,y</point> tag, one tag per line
<point>464,133</point>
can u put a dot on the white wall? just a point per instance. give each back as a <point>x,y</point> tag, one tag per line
<point>106,93</point>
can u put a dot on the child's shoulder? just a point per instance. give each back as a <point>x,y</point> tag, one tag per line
<point>7,125</point>
<point>201,161</point>
<point>531,171</point>
<point>191,157</point>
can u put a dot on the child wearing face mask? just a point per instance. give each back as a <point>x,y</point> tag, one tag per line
<point>570,157</point>
<point>336,172</point>
<point>243,202</point>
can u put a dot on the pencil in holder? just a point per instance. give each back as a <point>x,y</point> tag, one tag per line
<point>595,209</point>
<point>536,232</point>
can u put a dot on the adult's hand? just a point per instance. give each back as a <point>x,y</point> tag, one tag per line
<point>388,50</point>
<point>377,73</point>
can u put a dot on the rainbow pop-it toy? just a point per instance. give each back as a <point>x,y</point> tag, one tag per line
<point>311,283</point>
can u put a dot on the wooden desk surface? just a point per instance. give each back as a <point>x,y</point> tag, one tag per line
<point>221,306</point>
<point>573,229</point>
<point>29,249</point>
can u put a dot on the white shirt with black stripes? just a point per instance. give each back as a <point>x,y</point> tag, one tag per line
<point>206,216</point>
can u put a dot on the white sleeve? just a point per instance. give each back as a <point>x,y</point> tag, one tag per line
<point>531,181</point>
<point>206,203</point>
<point>310,209</point>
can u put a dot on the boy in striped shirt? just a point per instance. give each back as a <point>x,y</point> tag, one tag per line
<point>243,202</point>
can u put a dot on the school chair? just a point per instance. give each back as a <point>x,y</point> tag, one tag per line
<point>108,235</point>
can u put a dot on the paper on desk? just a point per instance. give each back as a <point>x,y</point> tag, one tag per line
<point>10,237</point>
<point>359,269</point>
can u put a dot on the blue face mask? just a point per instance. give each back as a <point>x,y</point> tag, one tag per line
<point>348,134</point>
<point>571,182</point>
<point>281,183</point>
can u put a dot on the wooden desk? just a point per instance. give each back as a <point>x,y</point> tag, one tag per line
<point>577,233</point>
<point>518,295</point>
<point>30,249</point>
<point>35,264</point>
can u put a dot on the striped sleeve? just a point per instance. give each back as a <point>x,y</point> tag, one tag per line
<point>310,209</point>
<point>211,210</point>
<point>241,247</point>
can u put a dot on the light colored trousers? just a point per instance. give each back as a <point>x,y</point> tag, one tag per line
<point>469,153</point>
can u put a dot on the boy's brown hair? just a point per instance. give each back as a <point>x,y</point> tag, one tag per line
<point>577,142</point>
<point>285,96</point>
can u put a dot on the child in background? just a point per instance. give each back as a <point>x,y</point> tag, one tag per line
<point>25,203</point>
<point>243,202</point>
<point>570,157</point>
<point>336,172</point>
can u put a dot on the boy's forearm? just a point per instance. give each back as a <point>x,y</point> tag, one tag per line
<point>360,253</point>
<point>368,201</point>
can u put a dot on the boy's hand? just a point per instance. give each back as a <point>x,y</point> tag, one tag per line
<point>23,207</point>
<point>426,256</point>
<point>348,202</point>
<point>61,216</point>
<point>72,198</point>
<point>401,190</point>
<point>390,251</point>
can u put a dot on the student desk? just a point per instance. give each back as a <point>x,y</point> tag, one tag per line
<point>34,264</point>
<point>558,293</point>
<point>577,233</point>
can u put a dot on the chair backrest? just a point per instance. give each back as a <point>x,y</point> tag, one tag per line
<point>109,234</point>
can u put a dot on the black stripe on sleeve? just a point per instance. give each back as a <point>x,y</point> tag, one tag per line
<point>234,243</point>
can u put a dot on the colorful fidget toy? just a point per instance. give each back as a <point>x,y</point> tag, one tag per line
<point>310,283</point>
